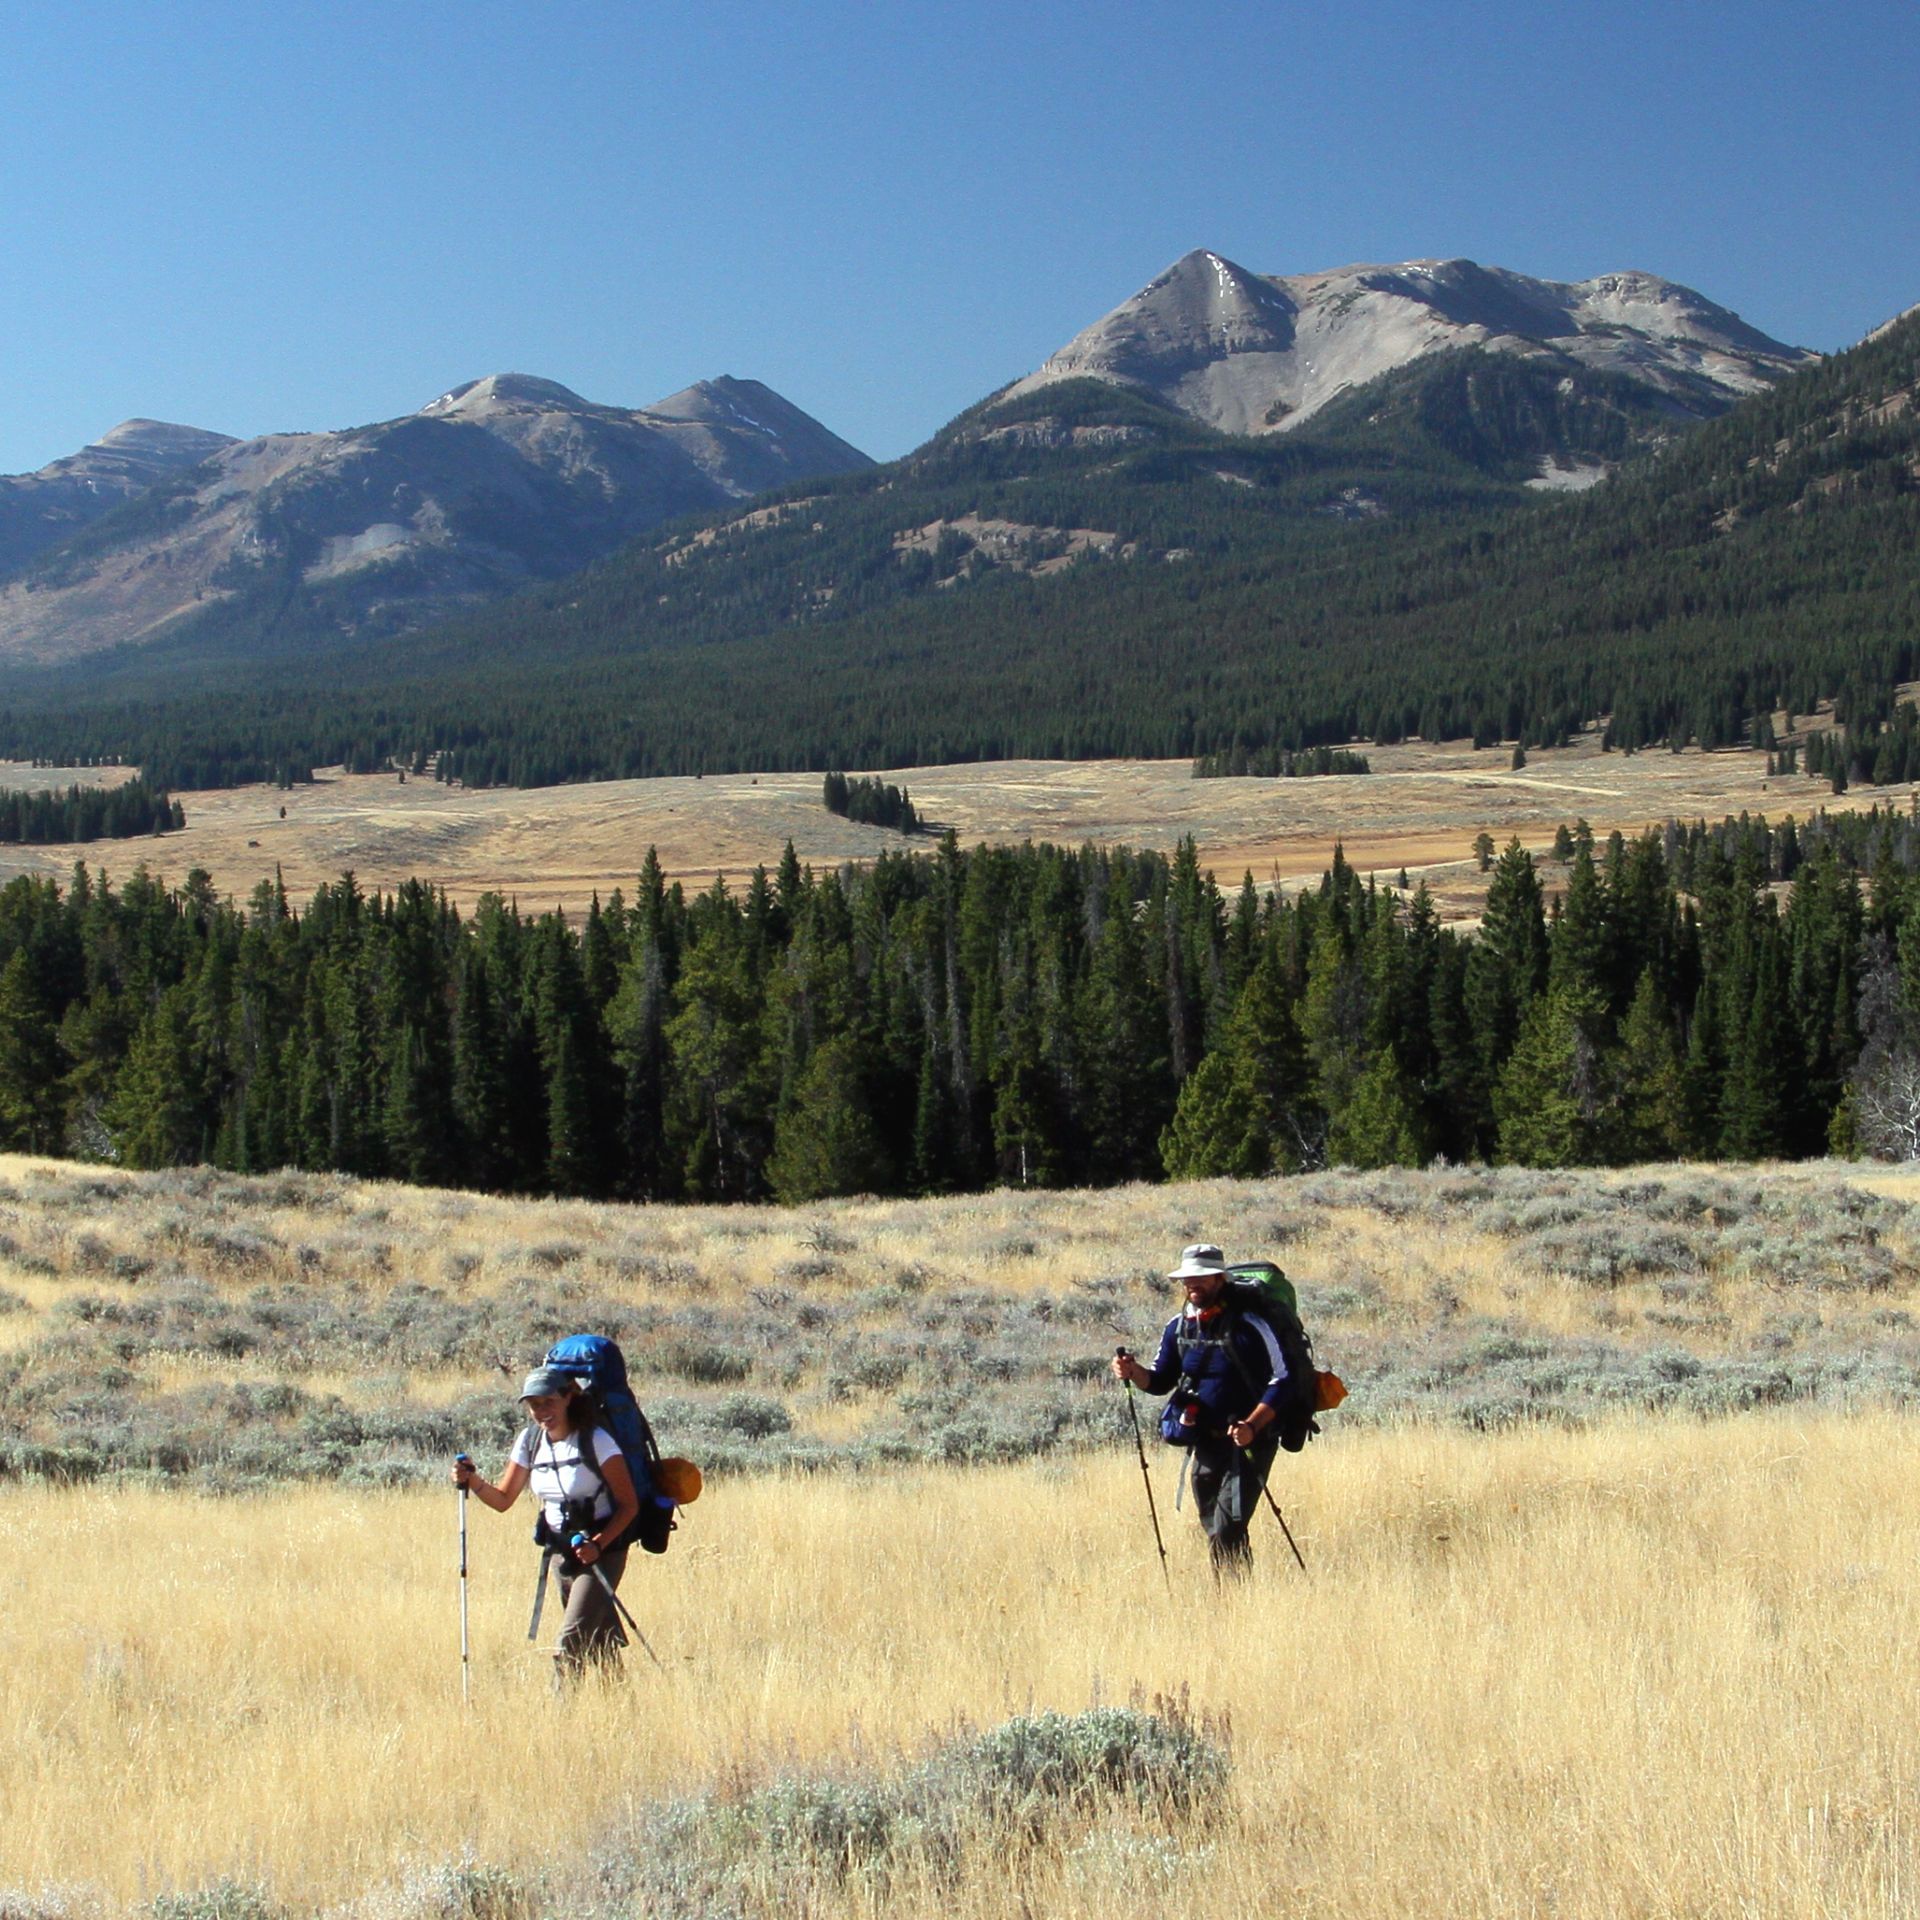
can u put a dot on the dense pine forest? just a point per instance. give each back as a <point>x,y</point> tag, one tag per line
<point>1382,573</point>
<point>952,1019</point>
<point>87,813</point>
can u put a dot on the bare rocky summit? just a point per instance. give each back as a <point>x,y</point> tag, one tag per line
<point>497,483</point>
<point>39,510</point>
<point>1255,353</point>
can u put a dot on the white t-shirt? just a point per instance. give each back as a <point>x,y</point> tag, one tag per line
<point>556,1474</point>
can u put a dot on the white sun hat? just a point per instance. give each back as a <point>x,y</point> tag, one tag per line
<point>1199,1260</point>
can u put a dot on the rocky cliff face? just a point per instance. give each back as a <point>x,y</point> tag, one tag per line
<point>40,510</point>
<point>1251,353</point>
<point>498,482</point>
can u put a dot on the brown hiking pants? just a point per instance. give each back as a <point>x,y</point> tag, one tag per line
<point>590,1630</point>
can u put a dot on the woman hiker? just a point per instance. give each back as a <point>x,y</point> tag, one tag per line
<point>580,1478</point>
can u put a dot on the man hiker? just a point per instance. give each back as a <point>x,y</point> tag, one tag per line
<point>1221,1366</point>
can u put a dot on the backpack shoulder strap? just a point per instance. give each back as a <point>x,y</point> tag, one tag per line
<point>583,1439</point>
<point>649,1446</point>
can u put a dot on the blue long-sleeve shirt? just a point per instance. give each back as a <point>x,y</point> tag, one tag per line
<point>1223,1363</point>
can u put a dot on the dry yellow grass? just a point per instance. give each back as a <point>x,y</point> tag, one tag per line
<point>1642,1670</point>
<point>1420,809</point>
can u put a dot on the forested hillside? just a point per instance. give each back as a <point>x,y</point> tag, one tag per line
<point>1082,573</point>
<point>950,1020</point>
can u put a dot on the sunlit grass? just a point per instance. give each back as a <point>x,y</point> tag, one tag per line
<point>1654,1668</point>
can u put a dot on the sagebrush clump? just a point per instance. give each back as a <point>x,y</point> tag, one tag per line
<point>198,1326</point>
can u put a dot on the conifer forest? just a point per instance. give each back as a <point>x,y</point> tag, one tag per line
<point>53,818</point>
<point>953,1019</point>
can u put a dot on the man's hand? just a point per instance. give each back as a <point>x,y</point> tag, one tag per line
<point>1243,1433</point>
<point>1127,1368</point>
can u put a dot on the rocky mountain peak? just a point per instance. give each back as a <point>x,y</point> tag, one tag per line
<point>161,441</point>
<point>497,482</point>
<point>1255,353</point>
<point>39,510</point>
<point>498,390</point>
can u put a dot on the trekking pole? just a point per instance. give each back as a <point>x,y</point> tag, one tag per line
<point>466,1667</point>
<point>619,1605</point>
<point>1140,1447</point>
<point>1278,1515</point>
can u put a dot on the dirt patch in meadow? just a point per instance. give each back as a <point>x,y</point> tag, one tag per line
<point>1420,810</point>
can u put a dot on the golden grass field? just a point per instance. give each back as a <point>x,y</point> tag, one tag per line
<point>1654,1669</point>
<point>1419,809</point>
<point>1651,1665</point>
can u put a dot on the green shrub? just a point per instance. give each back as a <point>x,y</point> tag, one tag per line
<point>224,1900</point>
<point>806,1837</point>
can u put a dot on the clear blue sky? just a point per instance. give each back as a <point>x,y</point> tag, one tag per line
<point>306,215</point>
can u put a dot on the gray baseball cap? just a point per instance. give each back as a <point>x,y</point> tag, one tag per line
<point>547,1380</point>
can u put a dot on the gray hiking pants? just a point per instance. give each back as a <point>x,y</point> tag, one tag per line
<point>590,1629</point>
<point>1226,1489</point>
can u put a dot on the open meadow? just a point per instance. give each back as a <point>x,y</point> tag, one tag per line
<point>1420,809</point>
<point>1656,1667</point>
<point>1610,1604</point>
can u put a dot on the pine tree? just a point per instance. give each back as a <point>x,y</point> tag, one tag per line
<point>1553,1100</point>
<point>1333,1020</point>
<point>1507,964</point>
<point>481,1095</point>
<point>1653,1108</point>
<point>1702,1075</point>
<point>152,1113</point>
<point>1244,1109</point>
<point>574,1160</point>
<point>1579,942</point>
<point>1127,1087</point>
<point>1763,1066</point>
<point>415,1121</point>
<point>825,1141</point>
<point>719,1069</point>
<point>1380,1125</point>
<point>636,1021</point>
<point>30,1119</point>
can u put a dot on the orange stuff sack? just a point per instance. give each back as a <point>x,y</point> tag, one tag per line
<point>1329,1391</point>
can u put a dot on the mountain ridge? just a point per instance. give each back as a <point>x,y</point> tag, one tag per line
<point>1083,570</point>
<point>498,481</point>
<point>40,510</point>
<point>1256,354</point>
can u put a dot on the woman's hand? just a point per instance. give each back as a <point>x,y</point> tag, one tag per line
<point>586,1553</point>
<point>469,1479</point>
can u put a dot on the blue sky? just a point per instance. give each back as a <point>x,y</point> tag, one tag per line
<point>297,216</point>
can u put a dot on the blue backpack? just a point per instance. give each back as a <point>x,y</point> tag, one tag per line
<point>601,1369</point>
